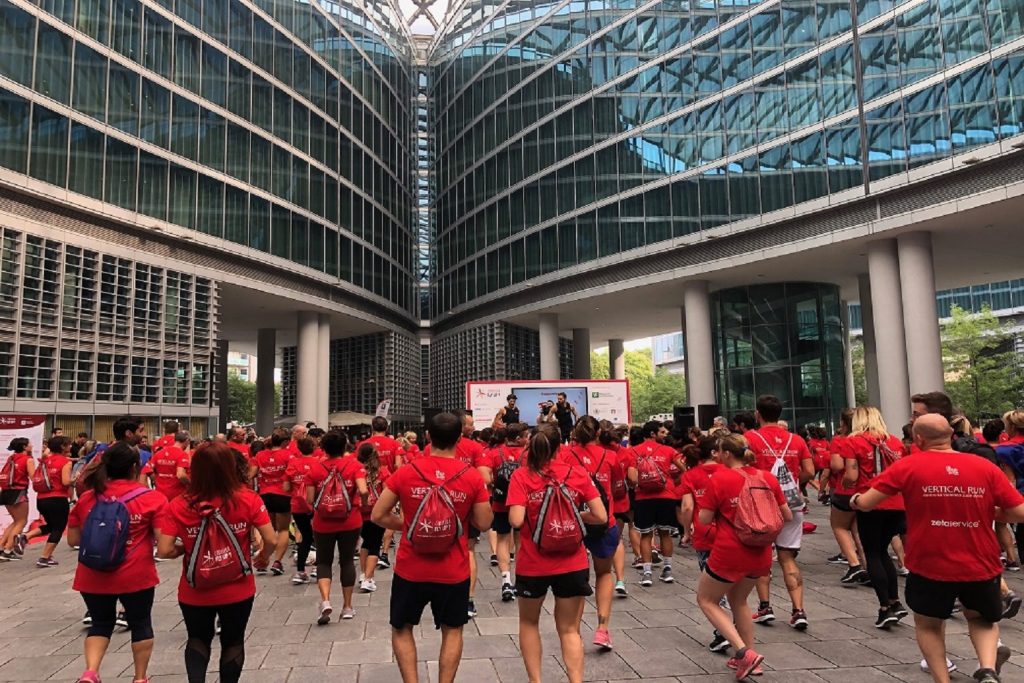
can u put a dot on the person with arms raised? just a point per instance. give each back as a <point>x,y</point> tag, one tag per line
<point>952,500</point>
<point>440,496</point>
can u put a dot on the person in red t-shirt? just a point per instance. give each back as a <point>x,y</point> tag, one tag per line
<point>295,484</point>
<point>336,532</point>
<point>441,580</point>
<point>952,500</point>
<point>510,451</point>
<point>237,441</point>
<point>133,582</point>
<point>15,476</point>
<point>372,534</point>
<point>390,453</point>
<point>567,576</point>
<point>786,457</point>
<point>52,481</point>
<point>214,488</point>
<point>271,465</point>
<point>842,518</point>
<point>867,452</point>
<point>170,467</point>
<point>655,506</point>
<point>584,451</point>
<point>609,437</point>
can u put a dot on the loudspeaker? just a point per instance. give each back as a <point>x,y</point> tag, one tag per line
<point>683,417</point>
<point>706,414</point>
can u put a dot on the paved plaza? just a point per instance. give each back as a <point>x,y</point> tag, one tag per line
<point>659,633</point>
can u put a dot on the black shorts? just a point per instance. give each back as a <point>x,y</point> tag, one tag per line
<point>501,524</point>
<point>656,513</point>
<point>935,599</point>
<point>568,585</point>
<point>13,496</point>
<point>277,504</point>
<point>841,502</point>
<point>623,517</point>
<point>472,533</point>
<point>447,601</point>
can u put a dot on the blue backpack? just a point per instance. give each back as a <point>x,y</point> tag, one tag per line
<point>105,532</point>
<point>1012,455</point>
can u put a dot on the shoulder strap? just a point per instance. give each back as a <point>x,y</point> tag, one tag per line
<point>132,495</point>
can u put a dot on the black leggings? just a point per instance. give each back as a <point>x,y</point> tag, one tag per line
<point>138,612</point>
<point>373,536</point>
<point>877,529</point>
<point>346,542</point>
<point>54,512</point>
<point>199,623</point>
<point>304,523</point>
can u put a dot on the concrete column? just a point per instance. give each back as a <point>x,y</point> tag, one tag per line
<point>323,401</point>
<point>308,358</point>
<point>581,353</point>
<point>917,284</point>
<point>891,349</point>
<point>686,356</point>
<point>266,357</point>
<point>700,359</point>
<point>224,414</point>
<point>549,362</point>
<point>851,390</point>
<point>616,359</point>
<point>868,337</point>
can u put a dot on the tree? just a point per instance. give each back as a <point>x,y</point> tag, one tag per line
<point>650,392</point>
<point>860,386</point>
<point>983,376</point>
<point>241,400</point>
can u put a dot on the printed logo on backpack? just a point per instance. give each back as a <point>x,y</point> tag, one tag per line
<point>650,478</point>
<point>217,557</point>
<point>333,500</point>
<point>41,478</point>
<point>558,529</point>
<point>758,520</point>
<point>780,470</point>
<point>595,532</point>
<point>435,526</point>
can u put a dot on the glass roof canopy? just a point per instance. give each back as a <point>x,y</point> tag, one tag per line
<point>424,17</point>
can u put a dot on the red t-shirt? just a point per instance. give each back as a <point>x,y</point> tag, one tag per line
<point>597,461</point>
<point>54,465</point>
<point>494,457</point>
<point>296,473</point>
<point>770,441</point>
<point>165,441</point>
<point>465,491</point>
<point>387,449</point>
<point>138,571</point>
<point>861,447</point>
<point>411,453</point>
<point>164,466</point>
<point>695,482</point>
<point>838,446</point>
<point>730,558</point>
<point>527,489</point>
<point>819,453</point>
<point>272,466</point>
<point>180,519</point>
<point>20,480</point>
<point>242,448</point>
<point>350,469</point>
<point>951,499</point>
<point>663,456</point>
<point>622,464</point>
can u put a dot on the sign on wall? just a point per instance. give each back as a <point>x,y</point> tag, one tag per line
<point>31,427</point>
<point>603,399</point>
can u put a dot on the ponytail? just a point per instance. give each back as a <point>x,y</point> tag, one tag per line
<point>367,455</point>
<point>542,447</point>
<point>120,461</point>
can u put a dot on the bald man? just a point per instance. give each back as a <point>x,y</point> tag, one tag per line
<point>952,500</point>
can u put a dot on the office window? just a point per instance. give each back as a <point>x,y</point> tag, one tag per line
<point>36,371</point>
<point>14,130</point>
<point>53,64</point>
<point>49,160</point>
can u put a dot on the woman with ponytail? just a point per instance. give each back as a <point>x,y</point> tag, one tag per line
<point>51,482</point>
<point>372,534</point>
<point>567,575</point>
<point>133,581</point>
<point>15,476</point>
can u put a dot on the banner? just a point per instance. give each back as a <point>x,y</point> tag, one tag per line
<point>30,427</point>
<point>383,408</point>
<point>603,399</point>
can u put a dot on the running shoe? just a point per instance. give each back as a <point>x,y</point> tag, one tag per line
<point>471,608</point>
<point>121,620</point>
<point>325,613</point>
<point>89,677</point>
<point>986,676</point>
<point>647,580</point>
<point>799,620</point>
<point>494,560</point>
<point>20,541</point>
<point>1003,654</point>
<point>666,575</point>
<point>620,589</point>
<point>655,557</point>
<point>312,573</point>
<point>277,569</point>
<point>886,618</point>
<point>638,563</point>
<point>603,639</point>
<point>746,664</point>
<point>898,610</point>
<point>261,571</point>
<point>11,555</point>
<point>854,575</point>
<point>838,559</point>
<point>508,593</point>
<point>4,557</point>
<point>718,643</point>
<point>902,571</point>
<point>87,619</point>
<point>300,578</point>
<point>44,562</point>
<point>367,586</point>
<point>383,562</point>
<point>1011,605</point>
<point>347,613</point>
<point>950,666</point>
<point>216,627</point>
<point>764,615</point>
<point>732,663</point>
<point>1012,566</point>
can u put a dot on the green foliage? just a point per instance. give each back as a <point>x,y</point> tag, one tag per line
<point>983,376</point>
<point>241,400</point>
<point>860,385</point>
<point>650,392</point>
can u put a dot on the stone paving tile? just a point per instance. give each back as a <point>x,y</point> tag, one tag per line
<point>660,636</point>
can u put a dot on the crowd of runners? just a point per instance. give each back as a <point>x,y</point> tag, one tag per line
<point>559,503</point>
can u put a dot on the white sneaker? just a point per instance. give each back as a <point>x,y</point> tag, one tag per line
<point>366,586</point>
<point>950,666</point>
<point>371,585</point>
<point>325,613</point>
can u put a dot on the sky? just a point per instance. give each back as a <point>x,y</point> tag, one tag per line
<point>421,25</point>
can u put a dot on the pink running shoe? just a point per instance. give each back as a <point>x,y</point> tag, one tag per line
<point>746,664</point>
<point>89,677</point>
<point>733,663</point>
<point>603,639</point>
